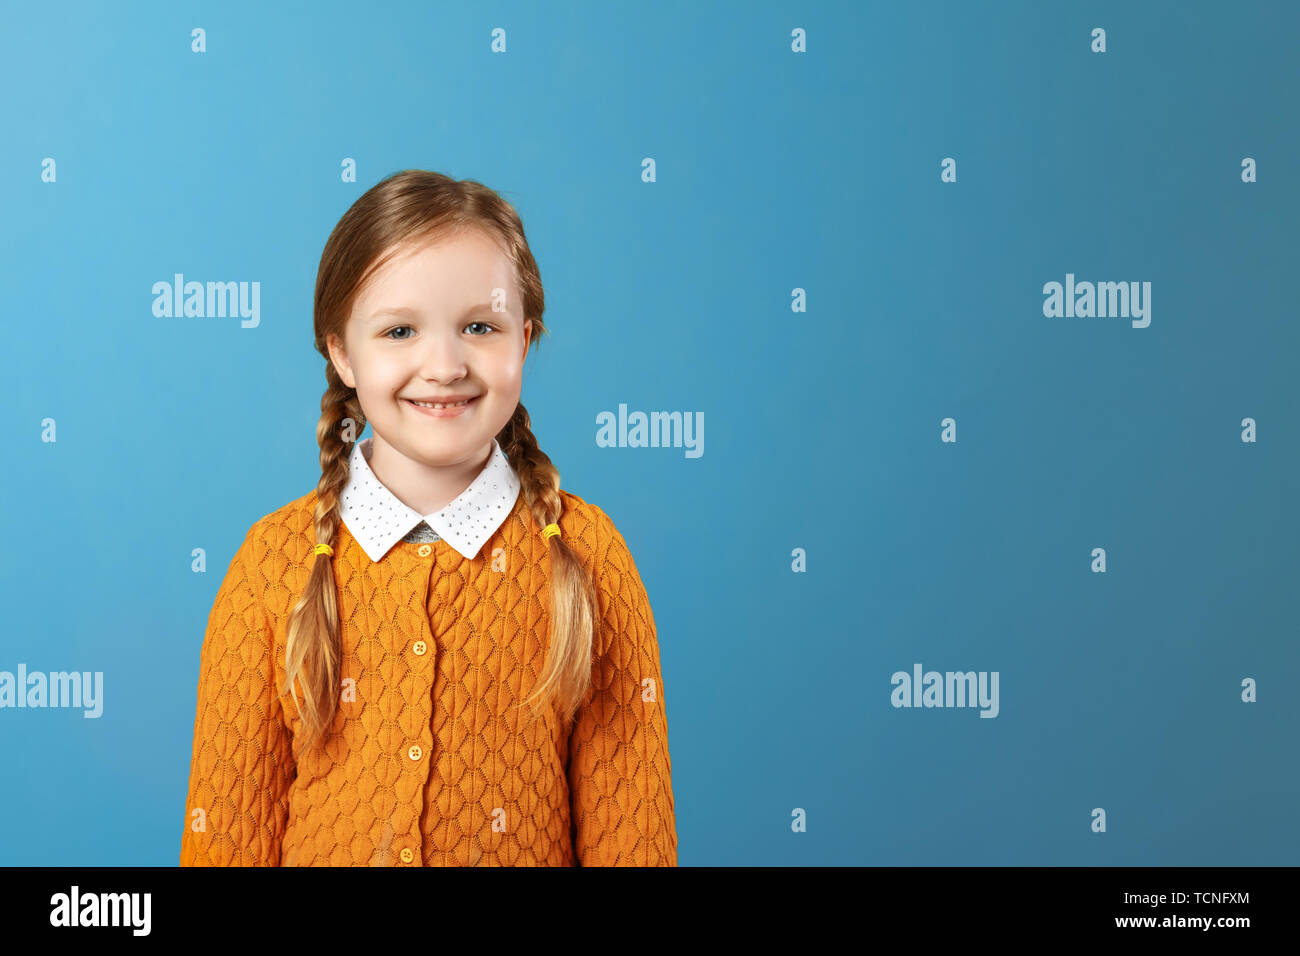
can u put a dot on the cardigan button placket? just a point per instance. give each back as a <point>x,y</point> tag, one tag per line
<point>421,648</point>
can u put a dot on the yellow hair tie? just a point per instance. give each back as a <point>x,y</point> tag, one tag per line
<point>324,549</point>
<point>550,530</point>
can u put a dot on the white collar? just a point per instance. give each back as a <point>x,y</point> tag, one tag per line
<point>378,519</point>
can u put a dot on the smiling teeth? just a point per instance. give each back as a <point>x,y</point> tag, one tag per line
<point>428,405</point>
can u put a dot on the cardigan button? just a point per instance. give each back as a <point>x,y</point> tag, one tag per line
<point>407,855</point>
<point>415,752</point>
<point>419,647</point>
<point>424,551</point>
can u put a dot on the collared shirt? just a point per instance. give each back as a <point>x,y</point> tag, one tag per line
<point>378,519</point>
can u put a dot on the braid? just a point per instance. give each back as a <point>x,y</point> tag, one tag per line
<point>538,477</point>
<point>339,409</point>
<point>574,612</point>
<point>313,649</point>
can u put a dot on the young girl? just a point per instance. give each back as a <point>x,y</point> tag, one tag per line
<point>437,657</point>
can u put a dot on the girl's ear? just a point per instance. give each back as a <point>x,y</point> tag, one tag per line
<point>340,360</point>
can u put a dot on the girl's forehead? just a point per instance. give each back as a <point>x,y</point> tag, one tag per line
<point>466,266</point>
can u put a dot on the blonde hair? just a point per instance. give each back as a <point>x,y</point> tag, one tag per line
<point>408,209</point>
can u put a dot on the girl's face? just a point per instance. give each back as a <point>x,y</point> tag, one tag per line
<point>424,328</point>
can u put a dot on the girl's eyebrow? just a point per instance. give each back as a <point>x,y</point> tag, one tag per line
<point>408,312</point>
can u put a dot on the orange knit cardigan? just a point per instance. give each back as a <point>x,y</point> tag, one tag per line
<point>428,760</point>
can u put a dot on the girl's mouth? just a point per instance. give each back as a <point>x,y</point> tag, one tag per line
<point>449,411</point>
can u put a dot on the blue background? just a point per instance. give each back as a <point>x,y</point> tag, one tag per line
<point>775,171</point>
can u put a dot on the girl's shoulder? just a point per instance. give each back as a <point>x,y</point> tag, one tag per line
<point>590,530</point>
<point>603,550</point>
<point>291,527</point>
<point>581,519</point>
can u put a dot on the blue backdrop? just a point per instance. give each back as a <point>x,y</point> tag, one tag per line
<point>828,232</point>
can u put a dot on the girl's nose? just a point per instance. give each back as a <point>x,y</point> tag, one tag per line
<point>443,359</point>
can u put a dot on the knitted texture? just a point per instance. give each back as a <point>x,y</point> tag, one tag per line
<point>430,759</point>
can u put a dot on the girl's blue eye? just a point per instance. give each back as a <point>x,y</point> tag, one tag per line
<point>389,333</point>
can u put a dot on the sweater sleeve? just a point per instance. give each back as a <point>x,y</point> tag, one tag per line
<point>236,810</point>
<point>620,788</point>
